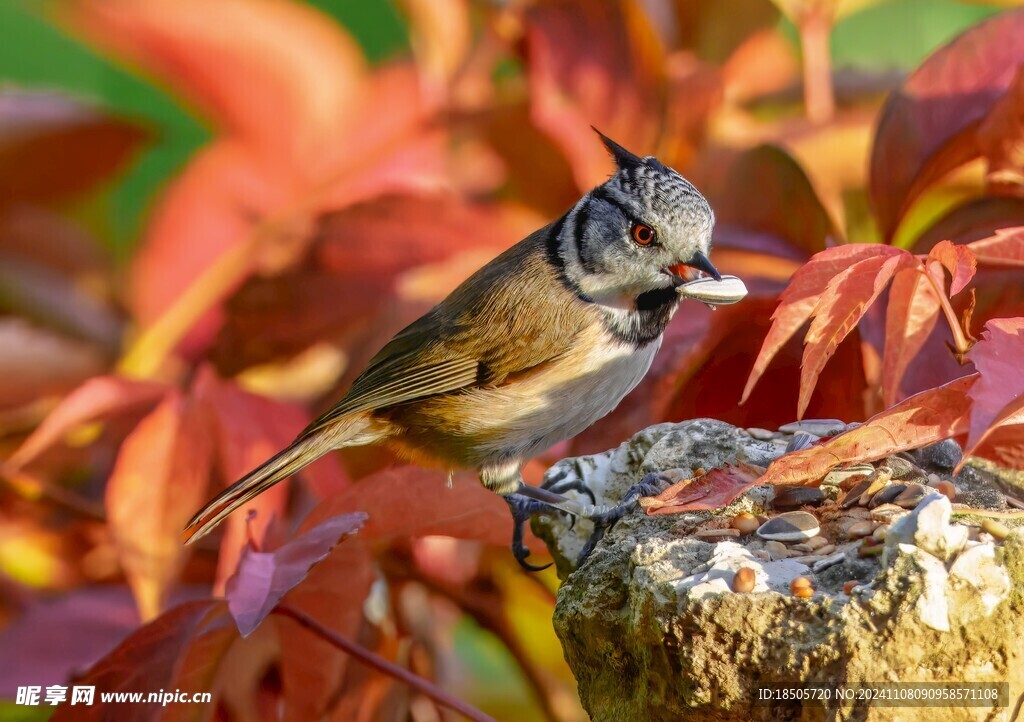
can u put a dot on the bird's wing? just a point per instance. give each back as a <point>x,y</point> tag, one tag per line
<point>504,320</point>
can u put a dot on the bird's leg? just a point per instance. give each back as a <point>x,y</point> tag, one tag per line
<point>602,516</point>
<point>559,484</point>
<point>522,509</point>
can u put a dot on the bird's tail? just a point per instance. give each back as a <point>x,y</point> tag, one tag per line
<point>306,449</point>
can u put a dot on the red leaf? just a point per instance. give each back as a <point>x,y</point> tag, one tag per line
<point>263,578</point>
<point>597,64</point>
<point>410,501</point>
<point>280,86</point>
<point>798,301</point>
<point>910,318</point>
<point>999,392</point>
<point>53,147</point>
<point>1004,443</point>
<point>159,480</point>
<point>958,260</point>
<point>180,650</point>
<point>838,310</point>
<point>767,191</point>
<point>98,398</point>
<point>250,429</point>
<point>927,128</point>
<point>1000,139</point>
<point>1005,248</point>
<point>713,490</point>
<point>36,363</point>
<point>922,419</point>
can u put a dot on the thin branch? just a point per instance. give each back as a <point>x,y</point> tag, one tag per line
<point>424,687</point>
<point>486,614</point>
<point>819,96</point>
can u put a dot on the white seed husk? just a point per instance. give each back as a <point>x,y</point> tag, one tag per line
<point>719,293</point>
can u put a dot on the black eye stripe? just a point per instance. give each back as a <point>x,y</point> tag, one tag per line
<point>601,194</point>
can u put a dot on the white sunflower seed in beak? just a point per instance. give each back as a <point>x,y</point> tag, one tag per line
<point>717,293</point>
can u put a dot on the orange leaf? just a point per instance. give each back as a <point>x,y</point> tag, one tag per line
<point>927,128</point>
<point>278,75</point>
<point>1005,248</point>
<point>158,481</point>
<point>843,303</point>
<point>180,650</point>
<point>98,398</point>
<point>798,301</point>
<point>958,260</point>
<point>713,490</point>
<point>910,318</point>
<point>999,393</point>
<point>922,419</point>
<point>597,64</point>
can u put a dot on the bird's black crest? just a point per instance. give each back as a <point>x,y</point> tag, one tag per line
<point>623,158</point>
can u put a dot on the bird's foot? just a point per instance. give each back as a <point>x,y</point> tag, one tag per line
<point>605,519</point>
<point>559,484</point>
<point>522,509</point>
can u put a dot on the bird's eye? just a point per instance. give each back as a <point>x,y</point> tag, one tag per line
<point>644,235</point>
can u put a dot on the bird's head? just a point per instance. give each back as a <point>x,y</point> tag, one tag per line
<point>644,229</point>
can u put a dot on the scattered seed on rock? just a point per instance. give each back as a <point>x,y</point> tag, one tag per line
<point>762,519</point>
<point>858,512</point>
<point>861,529</point>
<point>912,495</point>
<point>808,559</point>
<point>848,477</point>
<point>997,529</point>
<point>947,489</point>
<point>818,427</point>
<point>879,481</point>
<point>794,497</point>
<point>801,587</point>
<point>801,548</point>
<point>762,434</point>
<point>801,440</point>
<point>887,513</point>
<point>816,542</point>
<point>744,580</point>
<point>872,549</point>
<point>826,550</point>
<point>879,533</point>
<point>746,523</point>
<point>852,497</point>
<point>886,494</point>
<point>848,586</point>
<point>776,549</point>
<point>761,554</point>
<point>791,526</point>
<point>831,560</point>
<point>714,533</point>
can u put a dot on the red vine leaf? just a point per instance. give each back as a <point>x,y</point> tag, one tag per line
<point>263,578</point>
<point>999,393</point>
<point>713,490</point>
<point>922,419</point>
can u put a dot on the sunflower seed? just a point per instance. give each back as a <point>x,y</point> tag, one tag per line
<point>720,293</point>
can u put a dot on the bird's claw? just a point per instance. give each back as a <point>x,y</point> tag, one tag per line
<point>560,484</point>
<point>522,509</point>
<point>603,521</point>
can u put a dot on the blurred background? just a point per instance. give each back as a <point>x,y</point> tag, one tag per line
<point>213,213</point>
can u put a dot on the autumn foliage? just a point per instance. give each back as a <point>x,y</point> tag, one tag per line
<point>878,222</point>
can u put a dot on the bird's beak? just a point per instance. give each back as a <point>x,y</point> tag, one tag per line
<point>698,261</point>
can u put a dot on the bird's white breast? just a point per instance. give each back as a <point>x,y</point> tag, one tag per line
<point>561,399</point>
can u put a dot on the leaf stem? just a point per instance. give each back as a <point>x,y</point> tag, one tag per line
<point>377,662</point>
<point>960,342</point>
<point>819,98</point>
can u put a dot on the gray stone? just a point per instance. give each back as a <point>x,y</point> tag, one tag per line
<point>652,630</point>
<point>791,526</point>
<point>684,448</point>
<point>942,456</point>
<point>794,497</point>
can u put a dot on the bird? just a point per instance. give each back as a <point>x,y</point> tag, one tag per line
<point>530,350</point>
